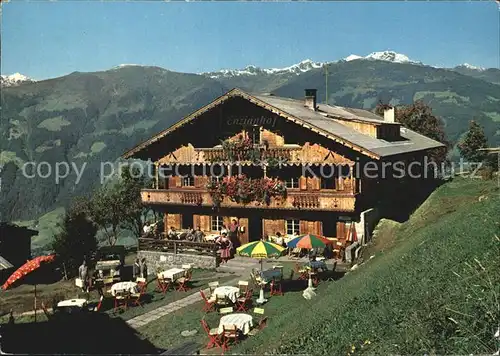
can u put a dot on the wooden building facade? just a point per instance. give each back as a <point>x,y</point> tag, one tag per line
<point>296,166</point>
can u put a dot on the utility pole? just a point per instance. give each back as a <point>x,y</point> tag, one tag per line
<point>326,83</point>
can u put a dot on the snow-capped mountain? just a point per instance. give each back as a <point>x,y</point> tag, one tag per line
<point>14,79</point>
<point>388,56</point>
<point>470,66</point>
<point>304,66</point>
<point>307,65</point>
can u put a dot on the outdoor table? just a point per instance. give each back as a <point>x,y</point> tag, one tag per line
<point>211,237</point>
<point>318,264</point>
<point>271,274</point>
<point>72,303</point>
<point>173,273</point>
<point>243,322</point>
<point>232,293</point>
<point>125,286</point>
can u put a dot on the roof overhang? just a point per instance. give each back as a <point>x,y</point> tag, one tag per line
<point>239,93</point>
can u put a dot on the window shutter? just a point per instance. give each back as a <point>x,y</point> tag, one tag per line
<point>341,230</point>
<point>303,183</point>
<point>197,221</point>
<point>303,227</point>
<point>315,183</point>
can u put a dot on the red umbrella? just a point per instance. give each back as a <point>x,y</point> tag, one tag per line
<point>28,267</point>
<point>353,236</point>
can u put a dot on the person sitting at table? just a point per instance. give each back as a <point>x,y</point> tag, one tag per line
<point>146,229</point>
<point>190,234</point>
<point>172,234</point>
<point>199,235</point>
<point>265,238</point>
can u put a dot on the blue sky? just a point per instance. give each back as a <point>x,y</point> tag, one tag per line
<point>48,39</point>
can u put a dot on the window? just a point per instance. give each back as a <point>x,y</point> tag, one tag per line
<point>292,182</point>
<point>292,226</point>
<point>217,222</point>
<point>254,134</point>
<point>216,179</point>
<point>188,181</point>
<point>329,183</point>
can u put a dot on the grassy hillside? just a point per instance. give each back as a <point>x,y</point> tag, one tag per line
<point>434,290</point>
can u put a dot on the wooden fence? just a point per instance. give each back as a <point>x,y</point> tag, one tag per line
<point>178,246</point>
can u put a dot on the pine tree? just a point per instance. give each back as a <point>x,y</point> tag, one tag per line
<point>473,140</point>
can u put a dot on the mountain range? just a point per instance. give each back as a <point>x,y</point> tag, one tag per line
<point>88,118</point>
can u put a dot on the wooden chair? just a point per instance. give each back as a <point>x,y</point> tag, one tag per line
<point>222,300</point>
<point>295,253</point>
<point>229,336</point>
<point>107,282</point>
<point>242,302</point>
<point>243,287</point>
<point>338,249</point>
<point>142,284</point>
<point>209,303</point>
<point>300,271</point>
<point>99,304</point>
<point>136,297</point>
<point>276,287</point>
<point>163,283</point>
<point>121,300</point>
<point>213,286</point>
<point>214,339</point>
<point>227,310</point>
<point>182,283</point>
<point>261,324</point>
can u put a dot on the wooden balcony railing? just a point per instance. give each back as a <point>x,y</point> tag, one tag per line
<point>258,152</point>
<point>304,199</point>
<point>178,246</point>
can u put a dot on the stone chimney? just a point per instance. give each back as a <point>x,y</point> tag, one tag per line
<point>310,99</point>
<point>389,115</point>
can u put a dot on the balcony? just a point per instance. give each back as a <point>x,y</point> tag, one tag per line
<point>258,152</point>
<point>295,200</point>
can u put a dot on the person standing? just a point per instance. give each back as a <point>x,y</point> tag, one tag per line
<point>226,248</point>
<point>83,275</point>
<point>136,269</point>
<point>233,233</point>
<point>144,268</point>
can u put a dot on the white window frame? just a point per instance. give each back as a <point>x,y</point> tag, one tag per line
<point>292,226</point>
<point>189,179</point>
<point>219,222</point>
<point>292,183</point>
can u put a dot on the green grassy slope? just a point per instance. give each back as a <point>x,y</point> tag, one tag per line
<point>434,291</point>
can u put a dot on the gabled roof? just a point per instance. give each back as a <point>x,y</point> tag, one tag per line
<point>321,121</point>
<point>4,264</point>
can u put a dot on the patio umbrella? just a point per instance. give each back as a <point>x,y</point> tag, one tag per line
<point>309,241</point>
<point>27,268</point>
<point>260,250</point>
<point>352,236</point>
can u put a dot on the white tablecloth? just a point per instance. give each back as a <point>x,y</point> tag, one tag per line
<point>126,286</point>
<point>232,293</point>
<point>173,273</point>
<point>211,237</point>
<point>243,322</point>
<point>72,303</point>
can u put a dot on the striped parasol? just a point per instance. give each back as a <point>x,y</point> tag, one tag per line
<point>28,267</point>
<point>309,241</point>
<point>260,249</point>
